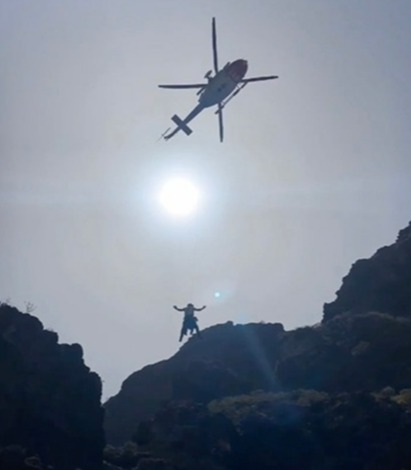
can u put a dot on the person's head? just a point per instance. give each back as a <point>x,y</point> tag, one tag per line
<point>190,305</point>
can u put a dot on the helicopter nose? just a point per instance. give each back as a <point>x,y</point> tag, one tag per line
<point>244,65</point>
<point>238,69</point>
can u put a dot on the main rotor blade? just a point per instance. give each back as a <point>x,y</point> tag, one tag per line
<point>258,79</point>
<point>220,122</point>
<point>215,56</point>
<point>177,87</point>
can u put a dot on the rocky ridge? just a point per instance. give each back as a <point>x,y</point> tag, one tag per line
<point>50,404</point>
<point>363,344</point>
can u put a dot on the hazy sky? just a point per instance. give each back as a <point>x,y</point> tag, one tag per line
<point>315,171</point>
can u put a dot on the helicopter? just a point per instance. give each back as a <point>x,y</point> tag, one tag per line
<point>219,90</point>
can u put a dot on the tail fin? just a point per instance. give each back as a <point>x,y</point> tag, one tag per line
<point>181,124</point>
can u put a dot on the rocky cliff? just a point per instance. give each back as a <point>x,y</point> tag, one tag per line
<point>229,359</point>
<point>362,345</point>
<point>381,283</point>
<point>49,400</point>
<point>303,429</point>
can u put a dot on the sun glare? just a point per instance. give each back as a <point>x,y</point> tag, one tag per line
<point>179,197</point>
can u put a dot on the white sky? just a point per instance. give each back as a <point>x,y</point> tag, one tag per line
<point>314,174</point>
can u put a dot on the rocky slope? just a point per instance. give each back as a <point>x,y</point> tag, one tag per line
<point>381,283</point>
<point>269,431</point>
<point>49,400</point>
<point>363,344</point>
<point>230,359</point>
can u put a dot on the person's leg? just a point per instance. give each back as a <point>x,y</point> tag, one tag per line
<point>183,330</point>
<point>182,333</point>
<point>197,330</point>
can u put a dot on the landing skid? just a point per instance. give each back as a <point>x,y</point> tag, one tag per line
<point>224,103</point>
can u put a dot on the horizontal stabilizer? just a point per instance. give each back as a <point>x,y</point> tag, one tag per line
<point>181,124</point>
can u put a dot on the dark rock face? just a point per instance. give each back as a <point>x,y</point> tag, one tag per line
<point>228,360</point>
<point>379,284</point>
<point>267,431</point>
<point>49,400</point>
<point>363,344</point>
<point>349,353</point>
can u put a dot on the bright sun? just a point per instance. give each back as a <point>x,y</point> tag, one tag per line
<point>179,197</point>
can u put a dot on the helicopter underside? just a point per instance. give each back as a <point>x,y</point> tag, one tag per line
<point>223,84</point>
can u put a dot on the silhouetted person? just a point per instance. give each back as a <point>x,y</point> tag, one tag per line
<point>189,320</point>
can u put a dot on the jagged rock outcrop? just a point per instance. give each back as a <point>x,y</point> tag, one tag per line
<point>301,429</point>
<point>381,283</point>
<point>363,344</point>
<point>49,400</point>
<point>348,353</point>
<point>230,359</point>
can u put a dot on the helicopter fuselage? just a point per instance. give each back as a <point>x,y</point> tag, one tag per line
<point>223,83</point>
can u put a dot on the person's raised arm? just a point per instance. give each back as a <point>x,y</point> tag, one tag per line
<point>199,309</point>
<point>179,309</point>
